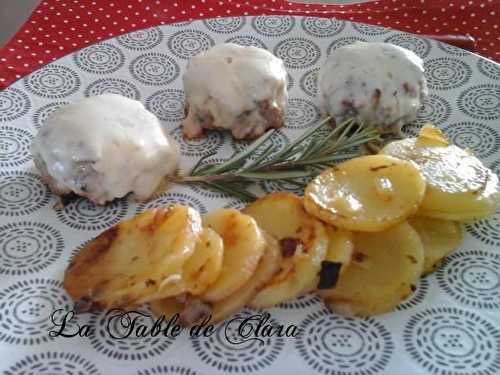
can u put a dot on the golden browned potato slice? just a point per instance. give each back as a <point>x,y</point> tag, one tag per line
<point>136,261</point>
<point>439,238</point>
<point>340,246</point>
<point>205,265</point>
<point>303,242</point>
<point>191,311</point>
<point>431,136</point>
<point>384,269</point>
<point>244,245</point>
<point>268,266</point>
<point>459,186</point>
<point>368,193</point>
<point>340,249</point>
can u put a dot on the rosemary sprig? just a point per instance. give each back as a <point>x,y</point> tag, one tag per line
<point>302,158</point>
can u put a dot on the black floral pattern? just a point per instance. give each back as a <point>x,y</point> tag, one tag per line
<point>14,104</point>
<point>452,340</point>
<point>28,247</point>
<point>352,346</point>
<point>225,25</point>
<point>42,113</point>
<point>482,139</point>
<point>420,46</point>
<point>188,43</point>
<point>481,102</point>
<point>244,355</point>
<point>102,58</point>
<point>53,81</point>
<point>50,363</point>
<point>322,27</point>
<point>167,104</point>
<point>14,146</point>
<point>26,308</point>
<point>298,53</point>
<point>473,278</point>
<point>141,39</point>
<point>155,69</point>
<point>247,41</point>
<point>273,26</point>
<point>82,214</point>
<point>113,86</point>
<point>21,193</point>
<point>446,73</point>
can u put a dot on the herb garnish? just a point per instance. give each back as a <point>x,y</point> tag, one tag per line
<point>329,274</point>
<point>302,158</point>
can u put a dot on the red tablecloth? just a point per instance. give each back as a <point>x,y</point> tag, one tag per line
<point>58,27</point>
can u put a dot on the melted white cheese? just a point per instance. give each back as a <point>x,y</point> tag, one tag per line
<point>104,147</point>
<point>377,83</point>
<point>229,80</point>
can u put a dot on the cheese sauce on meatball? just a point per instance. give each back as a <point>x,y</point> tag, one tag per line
<point>104,147</point>
<point>242,89</point>
<point>378,84</point>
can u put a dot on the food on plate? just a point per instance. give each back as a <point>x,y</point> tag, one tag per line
<point>205,264</point>
<point>338,256</point>
<point>439,238</point>
<point>136,261</point>
<point>366,230</point>
<point>192,312</point>
<point>269,265</point>
<point>367,193</point>
<point>104,147</point>
<point>340,246</point>
<point>378,84</point>
<point>303,242</point>
<point>459,186</point>
<point>384,270</point>
<point>241,89</point>
<point>244,245</point>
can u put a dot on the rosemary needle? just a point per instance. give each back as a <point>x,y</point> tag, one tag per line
<point>295,163</point>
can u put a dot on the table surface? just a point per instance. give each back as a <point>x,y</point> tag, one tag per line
<point>12,16</point>
<point>59,27</point>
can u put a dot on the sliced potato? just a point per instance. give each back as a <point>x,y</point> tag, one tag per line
<point>204,267</point>
<point>340,249</point>
<point>439,238</point>
<point>459,186</point>
<point>340,246</point>
<point>368,193</point>
<point>383,271</point>
<point>268,266</point>
<point>136,261</point>
<point>430,136</point>
<point>303,242</point>
<point>244,245</point>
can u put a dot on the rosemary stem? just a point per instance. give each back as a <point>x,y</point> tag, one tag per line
<point>205,177</point>
<point>240,157</point>
<point>294,163</point>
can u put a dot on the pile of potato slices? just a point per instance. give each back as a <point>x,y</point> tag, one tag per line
<point>364,233</point>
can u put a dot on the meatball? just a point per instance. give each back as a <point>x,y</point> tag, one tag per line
<point>378,84</point>
<point>241,89</point>
<point>102,148</point>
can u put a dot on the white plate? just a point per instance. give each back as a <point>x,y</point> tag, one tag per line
<point>450,325</point>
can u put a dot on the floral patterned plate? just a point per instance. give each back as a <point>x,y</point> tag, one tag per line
<point>450,325</point>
